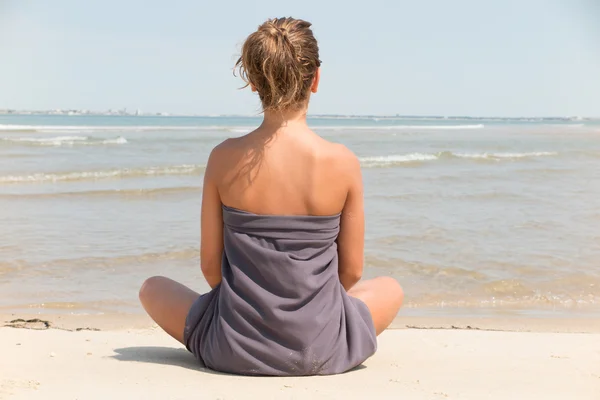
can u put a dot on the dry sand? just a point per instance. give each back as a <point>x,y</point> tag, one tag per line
<point>144,363</point>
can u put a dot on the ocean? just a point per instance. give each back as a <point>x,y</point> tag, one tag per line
<point>488,217</point>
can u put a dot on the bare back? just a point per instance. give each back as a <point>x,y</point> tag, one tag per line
<point>291,172</point>
<point>288,171</point>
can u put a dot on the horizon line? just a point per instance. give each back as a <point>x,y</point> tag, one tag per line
<point>124,113</point>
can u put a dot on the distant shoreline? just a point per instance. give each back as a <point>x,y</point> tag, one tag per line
<point>124,113</point>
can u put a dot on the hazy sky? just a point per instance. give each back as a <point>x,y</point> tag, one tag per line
<point>460,57</point>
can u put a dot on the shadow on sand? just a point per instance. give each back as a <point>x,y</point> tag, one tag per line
<point>171,356</point>
<point>162,355</point>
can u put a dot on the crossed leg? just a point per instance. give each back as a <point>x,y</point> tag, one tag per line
<point>168,303</point>
<point>383,296</point>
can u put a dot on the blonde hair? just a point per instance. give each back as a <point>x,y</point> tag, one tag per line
<point>280,60</point>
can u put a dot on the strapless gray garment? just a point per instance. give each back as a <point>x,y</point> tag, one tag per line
<point>280,308</point>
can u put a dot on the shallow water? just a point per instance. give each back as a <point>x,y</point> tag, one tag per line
<point>490,216</point>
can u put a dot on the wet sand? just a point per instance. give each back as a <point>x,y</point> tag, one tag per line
<point>118,322</point>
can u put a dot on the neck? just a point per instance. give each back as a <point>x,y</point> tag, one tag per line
<point>274,120</point>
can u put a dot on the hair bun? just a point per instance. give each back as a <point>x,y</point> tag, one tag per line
<point>274,30</point>
<point>282,71</point>
<point>283,33</point>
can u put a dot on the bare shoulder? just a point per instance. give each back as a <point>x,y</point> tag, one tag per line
<point>343,173</point>
<point>220,157</point>
<point>225,146</point>
<point>341,158</point>
<point>228,158</point>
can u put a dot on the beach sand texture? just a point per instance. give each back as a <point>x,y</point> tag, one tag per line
<point>409,364</point>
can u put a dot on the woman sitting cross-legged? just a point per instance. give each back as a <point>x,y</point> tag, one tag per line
<point>282,236</point>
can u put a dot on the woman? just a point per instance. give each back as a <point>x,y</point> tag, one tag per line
<point>282,236</point>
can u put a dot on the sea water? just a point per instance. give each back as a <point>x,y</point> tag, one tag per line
<point>491,216</point>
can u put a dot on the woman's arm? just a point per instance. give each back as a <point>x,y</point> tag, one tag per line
<point>351,240</point>
<point>211,229</point>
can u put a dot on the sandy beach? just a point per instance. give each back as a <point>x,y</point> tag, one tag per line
<point>93,205</point>
<point>439,359</point>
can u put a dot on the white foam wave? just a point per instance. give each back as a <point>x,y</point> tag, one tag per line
<point>400,127</point>
<point>240,130</point>
<point>53,140</point>
<point>141,192</point>
<point>62,141</point>
<point>236,129</point>
<point>119,140</point>
<point>100,128</point>
<point>505,155</point>
<point>381,161</point>
<point>185,169</point>
<point>399,159</point>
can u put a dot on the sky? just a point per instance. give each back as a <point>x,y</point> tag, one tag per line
<point>428,57</point>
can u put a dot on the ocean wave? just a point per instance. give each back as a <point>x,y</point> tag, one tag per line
<point>536,301</point>
<point>424,270</point>
<point>484,287</point>
<point>399,127</point>
<point>240,130</point>
<point>107,128</point>
<point>505,155</point>
<point>559,125</point>
<point>129,193</point>
<point>119,140</point>
<point>415,158</point>
<point>187,253</point>
<point>62,141</point>
<point>42,177</point>
<point>384,161</point>
<point>226,128</point>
